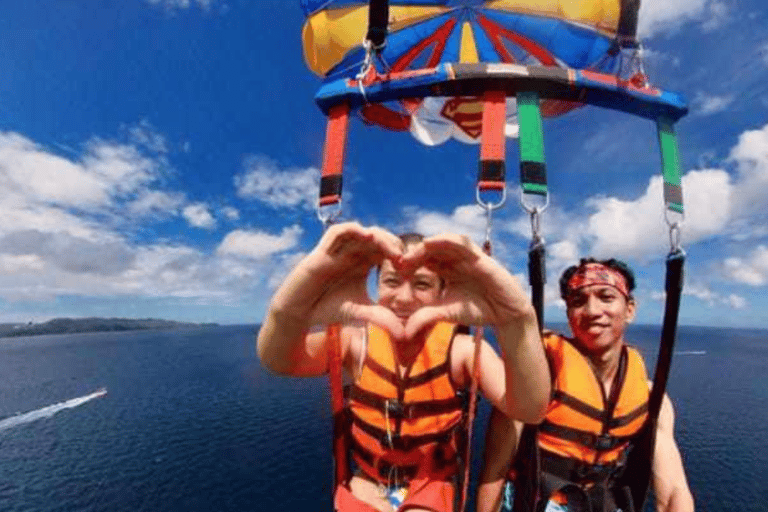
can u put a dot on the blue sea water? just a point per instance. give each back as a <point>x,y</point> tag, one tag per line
<point>192,422</point>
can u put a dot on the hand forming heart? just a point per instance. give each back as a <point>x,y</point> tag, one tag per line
<point>329,285</point>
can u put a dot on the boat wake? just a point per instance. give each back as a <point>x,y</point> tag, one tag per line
<point>47,412</point>
<point>691,353</point>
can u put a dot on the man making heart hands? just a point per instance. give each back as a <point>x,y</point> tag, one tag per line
<point>404,354</point>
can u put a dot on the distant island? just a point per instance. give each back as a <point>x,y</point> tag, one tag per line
<point>79,325</point>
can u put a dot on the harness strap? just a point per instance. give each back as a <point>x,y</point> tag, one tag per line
<point>472,412</point>
<point>340,416</point>
<point>378,19</point>
<point>383,468</point>
<point>537,276</point>
<point>396,409</point>
<point>670,163</point>
<point>600,443</point>
<point>627,31</point>
<point>533,171</point>
<point>491,175</point>
<point>333,156</point>
<point>576,471</point>
<point>409,381</point>
<point>395,440</point>
<point>644,446</point>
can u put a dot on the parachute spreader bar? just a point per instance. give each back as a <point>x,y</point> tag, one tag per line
<point>456,79</point>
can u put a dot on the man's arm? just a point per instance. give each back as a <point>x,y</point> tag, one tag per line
<point>669,483</point>
<point>480,291</point>
<point>523,405</point>
<point>528,385</point>
<point>501,440</point>
<point>328,286</point>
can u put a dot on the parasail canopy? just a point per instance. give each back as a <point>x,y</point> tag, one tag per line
<point>423,34</point>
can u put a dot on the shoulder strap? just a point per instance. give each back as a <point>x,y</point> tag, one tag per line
<point>638,473</point>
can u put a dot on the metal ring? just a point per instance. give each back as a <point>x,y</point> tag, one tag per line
<point>532,209</point>
<point>674,238</point>
<point>329,218</point>
<point>491,206</point>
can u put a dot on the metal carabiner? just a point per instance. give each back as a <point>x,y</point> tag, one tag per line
<point>327,219</point>
<point>489,207</point>
<point>533,208</point>
<point>675,234</point>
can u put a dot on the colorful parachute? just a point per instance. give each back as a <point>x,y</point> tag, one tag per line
<point>574,34</point>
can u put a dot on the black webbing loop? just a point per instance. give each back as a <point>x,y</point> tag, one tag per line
<point>626,35</point>
<point>378,19</point>
<point>537,276</point>
<point>641,477</point>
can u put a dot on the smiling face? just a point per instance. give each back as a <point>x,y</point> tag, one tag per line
<point>598,315</point>
<point>404,293</point>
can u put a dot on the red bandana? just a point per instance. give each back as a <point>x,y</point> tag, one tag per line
<point>597,273</point>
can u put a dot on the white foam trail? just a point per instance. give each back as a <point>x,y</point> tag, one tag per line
<point>47,412</point>
<point>691,353</point>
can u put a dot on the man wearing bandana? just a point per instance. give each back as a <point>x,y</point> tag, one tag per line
<point>598,406</point>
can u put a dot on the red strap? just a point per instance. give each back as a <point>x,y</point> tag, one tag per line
<point>478,340</point>
<point>333,335</point>
<point>493,142</point>
<point>333,157</point>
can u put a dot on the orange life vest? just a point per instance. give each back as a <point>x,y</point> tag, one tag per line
<point>404,426</point>
<point>585,436</point>
<point>581,422</point>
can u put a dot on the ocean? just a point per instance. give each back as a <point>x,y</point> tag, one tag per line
<point>187,420</point>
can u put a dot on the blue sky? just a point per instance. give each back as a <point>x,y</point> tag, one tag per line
<point>160,159</point>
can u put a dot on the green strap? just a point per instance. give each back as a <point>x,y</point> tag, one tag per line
<point>670,163</point>
<point>533,170</point>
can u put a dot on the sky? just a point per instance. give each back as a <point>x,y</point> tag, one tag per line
<point>159,158</point>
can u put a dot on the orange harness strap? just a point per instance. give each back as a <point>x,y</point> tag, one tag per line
<point>340,442</point>
<point>478,341</point>
<point>333,156</point>
<point>491,174</point>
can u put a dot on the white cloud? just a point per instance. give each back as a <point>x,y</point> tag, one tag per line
<point>705,104</point>
<point>656,17</point>
<point>198,215</point>
<point>264,181</point>
<point>717,16</point>
<point>705,294</point>
<point>258,244</point>
<point>231,213</point>
<point>751,158</point>
<point>156,203</point>
<point>751,270</point>
<point>467,220</point>
<point>65,221</point>
<point>736,301</point>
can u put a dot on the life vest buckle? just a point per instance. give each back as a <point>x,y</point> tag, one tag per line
<point>396,409</point>
<point>604,442</point>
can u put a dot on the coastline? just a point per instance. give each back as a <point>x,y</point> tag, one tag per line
<point>92,324</point>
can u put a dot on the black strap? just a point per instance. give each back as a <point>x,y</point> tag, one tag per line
<point>383,468</point>
<point>396,409</point>
<point>381,371</point>
<point>401,442</point>
<point>578,471</point>
<point>628,418</point>
<point>423,378</point>
<point>600,443</point>
<point>627,31</point>
<point>331,185</point>
<point>638,475</point>
<point>579,406</point>
<point>537,276</point>
<point>378,19</point>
